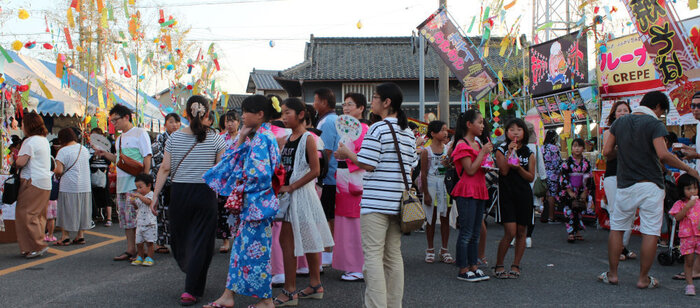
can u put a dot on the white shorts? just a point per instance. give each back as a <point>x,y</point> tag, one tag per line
<point>148,234</point>
<point>610,186</point>
<point>645,196</point>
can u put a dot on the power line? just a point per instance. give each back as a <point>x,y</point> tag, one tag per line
<point>204,3</point>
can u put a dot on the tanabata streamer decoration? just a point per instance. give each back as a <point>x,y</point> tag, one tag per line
<point>348,127</point>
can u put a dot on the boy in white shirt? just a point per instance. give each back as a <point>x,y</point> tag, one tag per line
<point>146,222</point>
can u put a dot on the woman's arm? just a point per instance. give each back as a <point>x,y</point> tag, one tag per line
<point>22,161</point>
<point>529,173</point>
<point>59,168</point>
<point>344,153</point>
<point>313,164</point>
<point>424,177</point>
<point>163,173</point>
<point>502,163</point>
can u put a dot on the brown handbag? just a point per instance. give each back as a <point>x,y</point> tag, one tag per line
<point>128,164</point>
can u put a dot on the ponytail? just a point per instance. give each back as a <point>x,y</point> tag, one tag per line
<point>402,119</point>
<point>390,90</point>
<point>197,109</point>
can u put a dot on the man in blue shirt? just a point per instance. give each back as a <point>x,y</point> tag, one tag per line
<point>324,103</point>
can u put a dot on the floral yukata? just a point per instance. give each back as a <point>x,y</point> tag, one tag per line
<point>574,176</point>
<point>552,165</point>
<point>245,174</point>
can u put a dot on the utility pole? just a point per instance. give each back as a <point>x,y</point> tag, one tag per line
<point>421,77</point>
<point>444,87</point>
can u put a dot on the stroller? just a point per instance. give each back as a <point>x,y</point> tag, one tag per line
<point>673,253</point>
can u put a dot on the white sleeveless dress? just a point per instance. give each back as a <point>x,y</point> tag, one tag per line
<point>309,225</point>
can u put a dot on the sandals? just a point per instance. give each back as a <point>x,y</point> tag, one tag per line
<point>79,241</point>
<point>445,256</point>
<point>223,249</point>
<point>186,299</point>
<point>604,279</point>
<point>430,256</point>
<point>513,274</point>
<point>653,283</point>
<point>579,237</point>
<point>571,238</point>
<point>162,249</point>
<point>127,256</point>
<point>216,305</point>
<point>502,274</point>
<point>315,295</point>
<point>65,242</point>
<point>681,276</point>
<point>482,262</point>
<point>291,301</point>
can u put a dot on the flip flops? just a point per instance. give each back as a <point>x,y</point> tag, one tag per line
<point>604,279</point>
<point>79,241</point>
<point>681,276</point>
<point>65,242</point>
<point>125,256</point>
<point>653,283</point>
<point>187,299</point>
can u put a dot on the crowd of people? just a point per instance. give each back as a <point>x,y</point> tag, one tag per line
<point>287,195</point>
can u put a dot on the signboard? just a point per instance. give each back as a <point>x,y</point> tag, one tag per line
<point>549,108</point>
<point>460,55</point>
<point>665,40</point>
<point>673,118</point>
<point>625,69</point>
<point>556,65</point>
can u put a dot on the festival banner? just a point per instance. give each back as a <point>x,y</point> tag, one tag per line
<point>625,69</point>
<point>665,41</point>
<point>460,55</point>
<point>556,65</point>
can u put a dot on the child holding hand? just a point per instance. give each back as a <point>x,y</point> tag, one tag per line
<point>146,221</point>
<point>687,213</point>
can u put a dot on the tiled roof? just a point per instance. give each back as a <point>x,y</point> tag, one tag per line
<point>235,101</point>
<point>262,80</point>
<point>375,58</point>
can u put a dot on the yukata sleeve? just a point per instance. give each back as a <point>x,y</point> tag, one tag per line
<point>221,177</point>
<point>564,175</point>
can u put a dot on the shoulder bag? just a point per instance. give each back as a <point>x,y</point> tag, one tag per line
<point>11,189</point>
<point>412,215</point>
<point>128,164</point>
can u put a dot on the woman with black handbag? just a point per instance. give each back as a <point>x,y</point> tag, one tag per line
<point>34,158</point>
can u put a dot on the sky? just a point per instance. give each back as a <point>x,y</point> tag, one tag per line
<point>244,29</point>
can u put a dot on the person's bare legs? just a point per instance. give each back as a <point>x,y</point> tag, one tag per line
<point>688,268</point>
<point>314,260</point>
<point>290,261</point>
<point>50,226</point>
<point>509,231</point>
<point>130,240</point>
<point>81,234</point>
<point>646,258</point>
<point>430,230</point>
<point>696,266</point>
<point>550,205</point>
<point>151,249</point>
<point>614,251</point>
<point>109,213</point>
<point>520,236</point>
<point>444,231</point>
<point>139,250</point>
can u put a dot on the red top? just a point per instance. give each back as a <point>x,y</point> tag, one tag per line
<point>469,186</point>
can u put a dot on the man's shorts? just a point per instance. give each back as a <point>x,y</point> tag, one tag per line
<point>328,201</point>
<point>126,212</point>
<point>148,234</point>
<point>645,196</point>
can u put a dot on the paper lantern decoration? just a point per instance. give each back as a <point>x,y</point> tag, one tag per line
<point>272,43</point>
<point>23,88</point>
<point>359,24</point>
<point>23,14</point>
<point>17,45</point>
<point>508,104</point>
<point>30,45</point>
<point>48,46</point>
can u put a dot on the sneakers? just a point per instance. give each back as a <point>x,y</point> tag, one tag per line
<point>352,276</point>
<point>690,290</point>
<point>468,276</point>
<point>326,259</point>
<point>277,280</point>
<point>480,274</point>
<point>147,262</point>
<point>138,261</point>
<point>528,242</point>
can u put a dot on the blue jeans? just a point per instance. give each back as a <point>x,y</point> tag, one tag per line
<point>471,214</point>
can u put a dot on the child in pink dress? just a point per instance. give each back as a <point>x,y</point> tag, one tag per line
<point>687,213</point>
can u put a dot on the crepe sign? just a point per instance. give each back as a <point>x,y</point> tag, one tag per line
<point>460,55</point>
<point>664,39</point>
<point>100,142</point>
<point>625,69</point>
<point>348,128</point>
<point>550,108</point>
<point>558,64</point>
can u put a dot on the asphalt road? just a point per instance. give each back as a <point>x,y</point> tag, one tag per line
<point>554,273</point>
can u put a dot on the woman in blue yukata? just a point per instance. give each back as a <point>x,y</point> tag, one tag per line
<point>246,174</point>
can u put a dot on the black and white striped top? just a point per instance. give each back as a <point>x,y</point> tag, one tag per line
<point>383,187</point>
<point>201,159</point>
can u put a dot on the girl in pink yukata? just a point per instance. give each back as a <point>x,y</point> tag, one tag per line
<point>687,213</point>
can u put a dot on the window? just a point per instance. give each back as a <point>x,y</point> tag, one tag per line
<point>367,89</point>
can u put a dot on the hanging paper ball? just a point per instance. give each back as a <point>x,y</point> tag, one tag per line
<point>272,43</point>
<point>23,88</point>
<point>359,24</point>
<point>127,74</point>
<point>17,45</point>
<point>189,87</point>
<point>169,109</point>
<point>29,45</point>
<point>23,14</point>
<point>598,19</point>
<point>603,49</point>
<point>498,132</point>
<point>163,46</point>
<point>170,67</point>
<point>87,119</point>
<point>142,77</point>
<point>48,46</point>
<point>79,49</point>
